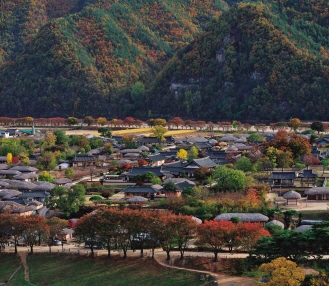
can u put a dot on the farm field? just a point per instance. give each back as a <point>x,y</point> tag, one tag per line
<point>71,270</point>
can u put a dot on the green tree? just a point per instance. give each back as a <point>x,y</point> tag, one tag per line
<point>317,126</point>
<point>229,179</point>
<point>105,132</point>
<point>67,200</point>
<point>69,173</point>
<point>158,131</point>
<point>193,152</point>
<point>255,138</point>
<point>47,161</point>
<point>89,120</point>
<point>45,176</point>
<point>138,94</point>
<point>159,121</point>
<point>284,159</point>
<point>72,121</point>
<point>244,164</point>
<point>61,137</point>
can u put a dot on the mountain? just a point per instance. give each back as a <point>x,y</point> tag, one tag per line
<point>82,57</point>
<point>265,60</point>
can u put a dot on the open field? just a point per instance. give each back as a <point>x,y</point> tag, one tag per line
<point>8,264</point>
<point>179,132</point>
<point>131,131</point>
<point>63,269</point>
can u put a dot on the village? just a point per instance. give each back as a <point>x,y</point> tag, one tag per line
<point>212,188</point>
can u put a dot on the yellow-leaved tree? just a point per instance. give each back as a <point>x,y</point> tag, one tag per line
<point>282,272</point>
<point>9,158</point>
<point>182,154</point>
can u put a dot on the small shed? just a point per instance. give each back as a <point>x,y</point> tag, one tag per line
<point>292,197</point>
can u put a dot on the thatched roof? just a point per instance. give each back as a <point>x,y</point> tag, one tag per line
<point>12,207</point>
<point>3,184</point>
<point>131,155</point>
<point>25,176</point>
<point>317,191</point>
<point>137,199</point>
<point>232,148</point>
<point>292,195</point>
<point>143,148</point>
<point>62,181</point>
<point>24,169</point>
<point>276,222</point>
<point>9,172</point>
<point>20,184</point>
<point>7,194</point>
<point>227,138</point>
<point>199,221</point>
<point>245,217</point>
<point>68,185</point>
<point>43,186</point>
<point>4,167</point>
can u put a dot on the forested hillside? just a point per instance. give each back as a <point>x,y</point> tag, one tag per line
<point>258,61</point>
<point>75,57</point>
<point>210,59</point>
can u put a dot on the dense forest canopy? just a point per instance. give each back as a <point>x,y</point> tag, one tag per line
<point>210,59</point>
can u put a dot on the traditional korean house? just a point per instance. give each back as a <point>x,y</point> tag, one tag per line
<point>317,193</point>
<point>283,179</point>
<point>84,161</point>
<point>148,192</point>
<point>202,162</point>
<point>142,170</point>
<point>156,159</point>
<point>25,169</point>
<point>308,177</point>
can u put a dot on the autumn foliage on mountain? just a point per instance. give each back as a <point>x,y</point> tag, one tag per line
<point>260,60</point>
<point>209,60</point>
<point>72,57</point>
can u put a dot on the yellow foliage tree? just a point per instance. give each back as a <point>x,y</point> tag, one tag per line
<point>282,272</point>
<point>101,121</point>
<point>295,123</point>
<point>9,158</point>
<point>182,154</point>
<point>158,131</point>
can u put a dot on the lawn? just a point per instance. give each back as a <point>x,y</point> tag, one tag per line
<point>62,269</point>
<point>8,264</point>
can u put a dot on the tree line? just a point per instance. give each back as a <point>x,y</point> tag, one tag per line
<point>122,229</point>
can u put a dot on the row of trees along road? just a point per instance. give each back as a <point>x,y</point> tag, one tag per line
<point>32,230</point>
<point>119,229</point>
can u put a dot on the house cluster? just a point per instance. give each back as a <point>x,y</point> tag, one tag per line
<point>21,192</point>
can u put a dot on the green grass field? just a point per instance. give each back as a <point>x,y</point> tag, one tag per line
<point>8,264</point>
<point>67,270</point>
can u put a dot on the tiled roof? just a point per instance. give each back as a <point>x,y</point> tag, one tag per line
<point>84,158</point>
<point>156,157</point>
<point>24,169</point>
<point>140,189</point>
<point>142,170</point>
<point>283,175</point>
<point>203,162</point>
<point>34,195</point>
